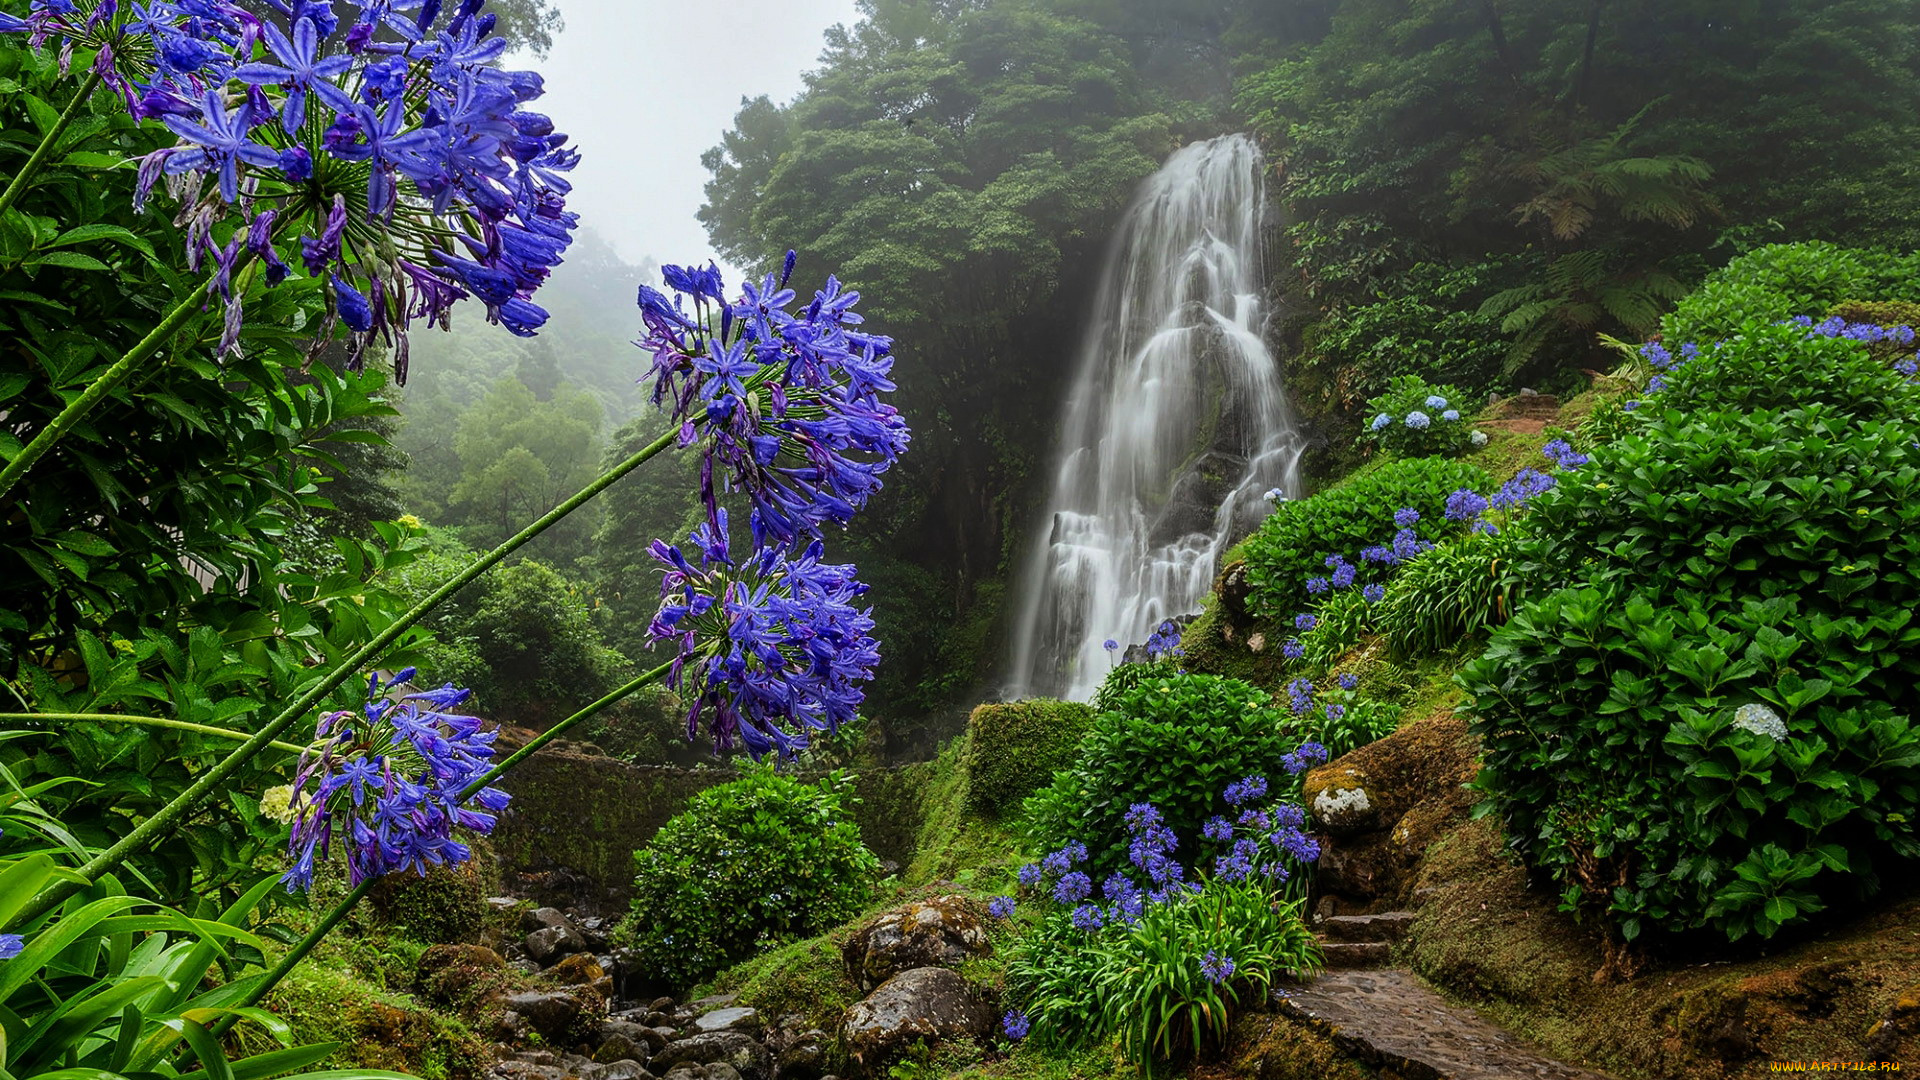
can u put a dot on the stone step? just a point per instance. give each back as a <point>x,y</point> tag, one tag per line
<point>1348,955</point>
<point>1386,926</point>
<point>1392,1021</point>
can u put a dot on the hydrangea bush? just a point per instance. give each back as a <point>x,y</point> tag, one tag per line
<point>1729,578</point>
<point>1416,419</point>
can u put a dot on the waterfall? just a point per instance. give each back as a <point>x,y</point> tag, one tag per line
<point>1175,426</point>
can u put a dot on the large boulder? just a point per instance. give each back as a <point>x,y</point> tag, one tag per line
<point>939,932</point>
<point>929,1004</point>
<point>1380,807</point>
<point>467,977</point>
<point>733,1048</point>
<point>562,1017</point>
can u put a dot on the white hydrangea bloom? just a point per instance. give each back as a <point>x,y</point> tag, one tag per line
<point>1478,439</point>
<point>1760,720</point>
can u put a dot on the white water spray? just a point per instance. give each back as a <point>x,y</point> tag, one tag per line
<point>1175,427</point>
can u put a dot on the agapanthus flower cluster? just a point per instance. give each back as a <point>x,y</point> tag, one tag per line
<point>1304,757</point>
<point>1300,695</point>
<point>1015,1024</point>
<point>11,945</point>
<point>1562,453</point>
<point>1246,790</point>
<point>1347,680</point>
<point>786,401</point>
<point>1466,505</point>
<point>1165,641</point>
<point>1525,484</point>
<point>1001,907</point>
<point>771,646</point>
<point>389,144</point>
<point>388,783</point>
<point>1216,968</point>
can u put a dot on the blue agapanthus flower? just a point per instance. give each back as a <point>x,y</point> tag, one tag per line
<point>770,646</point>
<point>1304,757</point>
<point>1300,695</point>
<point>1216,968</point>
<point>387,782</point>
<point>1375,593</point>
<point>1088,917</point>
<point>1466,505</point>
<point>1031,874</point>
<point>1015,1024</point>
<point>1304,622</point>
<point>1296,844</point>
<point>1347,680</point>
<point>1405,517</point>
<point>1109,644</point>
<point>1317,585</point>
<point>1562,453</point>
<point>11,945</point>
<point>1246,789</point>
<point>1344,574</point>
<point>1000,907</point>
<point>1336,711</point>
<point>1292,649</point>
<point>1073,887</point>
<point>1217,828</point>
<point>1525,484</point>
<point>454,188</point>
<point>787,402</point>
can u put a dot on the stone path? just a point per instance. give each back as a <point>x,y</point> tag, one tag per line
<point>1389,1019</point>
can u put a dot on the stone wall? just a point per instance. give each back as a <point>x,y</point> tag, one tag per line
<point>588,814</point>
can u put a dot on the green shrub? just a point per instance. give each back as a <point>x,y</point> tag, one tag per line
<point>1014,749</point>
<point>1415,419</point>
<point>1450,594</point>
<point>1711,728</point>
<point>1176,742</point>
<point>522,638</point>
<point>1123,680</point>
<point>1145,984</point>
<point>1294,542</point>
<point>748,866</point>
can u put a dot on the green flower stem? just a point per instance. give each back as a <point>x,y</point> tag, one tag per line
<point>214,778</point>
<point>340,910</point>
<point>47,142</point>
<point>556,730</point>
<point>143,721</point>
<point>101,387</point>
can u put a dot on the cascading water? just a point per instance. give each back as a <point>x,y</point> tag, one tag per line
<point>1174,429</point>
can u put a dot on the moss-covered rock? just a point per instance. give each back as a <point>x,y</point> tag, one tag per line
<point>447,905</point>
<point>376,1029</point>
<point>1013,750</point>
<point>1265,1047</point>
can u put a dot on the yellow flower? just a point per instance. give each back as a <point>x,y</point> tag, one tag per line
<point>1847,569</point>
<point>1603,486</point>
<point>409,521</point>
<point>360,598</point>
<point>123,644</point>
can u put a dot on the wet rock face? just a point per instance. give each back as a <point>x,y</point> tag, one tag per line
<point>930,1004</point>
<point>736,1050</point>
<point>940,932</point>
<point>562,1017</point>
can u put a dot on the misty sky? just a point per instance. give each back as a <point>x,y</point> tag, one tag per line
<point>645,86</point>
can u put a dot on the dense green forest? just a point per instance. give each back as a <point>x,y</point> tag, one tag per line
<point>1471,191</point>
